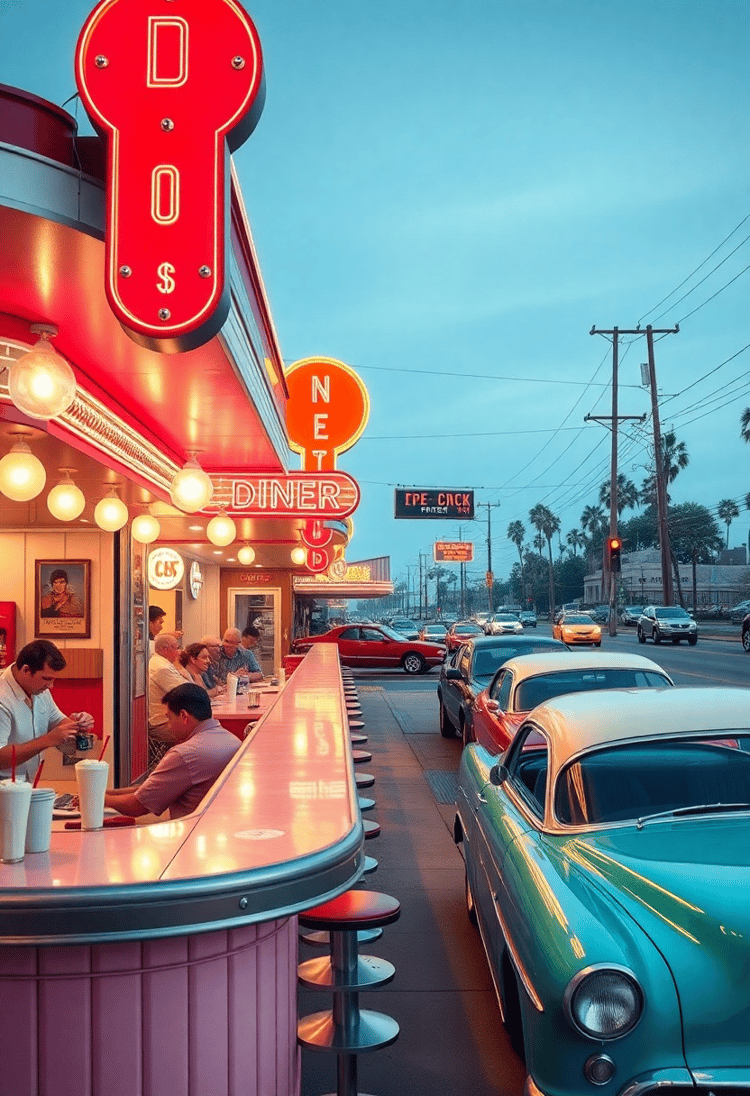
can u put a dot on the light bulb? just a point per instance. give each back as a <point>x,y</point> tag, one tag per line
<point>66,501</point>
<point>298,556</point>
<point>221,530</point>
<point>191,488</point>
<point>41,383</point>
<point>22,475</point>
<point>246,555</point>
<point>111,514</point>
<point>145,529</point>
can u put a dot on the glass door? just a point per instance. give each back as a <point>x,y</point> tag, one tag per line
<point>262,609</point>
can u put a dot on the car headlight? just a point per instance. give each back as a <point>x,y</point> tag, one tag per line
<point>603,1002</point>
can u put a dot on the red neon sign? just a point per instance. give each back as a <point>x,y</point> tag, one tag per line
<point>173,87</point>
<point>298,494</point>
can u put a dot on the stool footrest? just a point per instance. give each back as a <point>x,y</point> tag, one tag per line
<point>322,938</point>
<point>371,1031</point>
<point>370,971</point>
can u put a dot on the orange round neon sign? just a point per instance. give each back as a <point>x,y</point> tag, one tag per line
<point>327,411</point>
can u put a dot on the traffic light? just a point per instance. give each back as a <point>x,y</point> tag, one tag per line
<point>614,546</point>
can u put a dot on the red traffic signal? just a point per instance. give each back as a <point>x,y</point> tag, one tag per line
<point>614,547</point>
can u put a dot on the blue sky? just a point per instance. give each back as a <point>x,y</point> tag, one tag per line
<point>447,196</point>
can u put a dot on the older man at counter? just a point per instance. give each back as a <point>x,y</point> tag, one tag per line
<point>233,658</point>
<point>186,772</point>
<point>30,721</point>
<point>163,675</point>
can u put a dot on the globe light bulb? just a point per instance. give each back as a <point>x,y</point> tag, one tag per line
<point>145,529</point>
<point>111,514</point>
<point>221,530</point>
<point>66,501</point>
<point>246,555</point>
<point>22,475</point>
<point>298,556</point>
<point>191,488</point>
<point>41,383</point>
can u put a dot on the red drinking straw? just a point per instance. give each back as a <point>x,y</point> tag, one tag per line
<point>106,743</point>
<point>38,774</point>
<point>13,762</point>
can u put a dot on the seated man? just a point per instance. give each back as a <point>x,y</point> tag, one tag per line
<point>250,640</point>
<point>233,660</point>
<point>163,675</point>
<point>187,771</point>
<point>211,676</point>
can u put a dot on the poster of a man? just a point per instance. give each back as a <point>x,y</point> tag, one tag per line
<point>62,597</point>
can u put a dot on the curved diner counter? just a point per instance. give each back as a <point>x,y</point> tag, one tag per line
<point>160,960</point>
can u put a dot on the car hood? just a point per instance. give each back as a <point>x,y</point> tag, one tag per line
<point>685,883</point>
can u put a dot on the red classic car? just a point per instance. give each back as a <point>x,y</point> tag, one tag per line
<point>459,633</point>
<point>376,646</point>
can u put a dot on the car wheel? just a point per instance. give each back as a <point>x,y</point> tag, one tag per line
<point>447,729</point>
<point>413,663</point>
<point>692,640</point>
<point>656,635</point>
<point>746,640</point>
<point>465,731</point>
<point>675,640</point>
<point>641,636</point>
<point>471,910</point>
<point>598,644</point>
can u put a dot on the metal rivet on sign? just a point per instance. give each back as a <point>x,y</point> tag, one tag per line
<point>205,271</point>
<point>164,314</point>
<point>125,271</point>
<point>238,62</point>
<point>101,61</point>
<point>167,124</point>
<point>243,903</point>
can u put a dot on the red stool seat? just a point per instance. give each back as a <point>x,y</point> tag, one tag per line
<point>354,909</point>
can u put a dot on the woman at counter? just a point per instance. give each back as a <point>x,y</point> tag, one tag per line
<point>194,662</point>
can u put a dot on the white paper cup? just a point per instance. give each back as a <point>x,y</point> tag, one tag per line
<point>253,699</point>
<point>39,825</point>
<point>91,777</point>
<point>231,688</point>
<point>14,812</point>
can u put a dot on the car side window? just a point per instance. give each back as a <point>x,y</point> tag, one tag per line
<point>504,683</point>
<point>464,659</point>
<point>372,634</point>
<point>527,769</point>
<point>349,633</point>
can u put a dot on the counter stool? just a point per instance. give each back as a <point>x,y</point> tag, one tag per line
<point>360,756</point>
<point>365,804</point>
<point>347,1029</point>
<point>356,724</point>
<point>372,829</point>
<point>364,780</point>
<point>357,739</point>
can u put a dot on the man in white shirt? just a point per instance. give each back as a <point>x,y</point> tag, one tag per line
<point>30,720</point>
<point>163,675</point>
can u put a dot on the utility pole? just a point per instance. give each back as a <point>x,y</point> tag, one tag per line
<point>490,576</point>
<point>661,490</point>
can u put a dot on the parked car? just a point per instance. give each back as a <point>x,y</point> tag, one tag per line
<point>526,681</point>
<point>471,668</point>
<point>660,622</point>
<point>459,632</point>
<point>629,615</point>
<point>500,624</point>
<point>527,618</point>
<point>746,634</point>
<point>376,646</point>
<point>577,629</point>
<point>739,611</point>
<point>433,633</point>
<point>405,627</point>
<point>604,866</point>
<point>600,613</point>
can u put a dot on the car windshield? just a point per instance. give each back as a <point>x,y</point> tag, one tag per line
<point>670,611</point>
<point>468,630</point>
<point>538,690</point>
<point>393,634</point>
<point>508,617</point>
<point>405,624</point>
<point>577,618</point>
<point>489,659</point>
<point>643,779</point>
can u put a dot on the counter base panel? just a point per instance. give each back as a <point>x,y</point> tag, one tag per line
<point>212,1014</point>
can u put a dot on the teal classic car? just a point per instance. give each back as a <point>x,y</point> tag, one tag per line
<point>608,866</point>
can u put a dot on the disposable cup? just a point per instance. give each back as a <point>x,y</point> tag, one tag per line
<point>91,777</point>
<point>231,688</point>
<point>39,825</point>
<point>253,699</point>
<point>14,812</point>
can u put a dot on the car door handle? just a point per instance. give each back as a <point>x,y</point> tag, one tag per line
<point>482,798</point>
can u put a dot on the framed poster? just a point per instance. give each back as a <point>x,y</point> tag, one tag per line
<point>62,603</point>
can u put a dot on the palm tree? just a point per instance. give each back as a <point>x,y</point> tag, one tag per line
<point>628,496</point>
<point>674,457</point>
<point>593,520</point>
<point>745,426</point>
<point>575,540</point>
<point>517,534</point>
<point>728,510</point>
<point>547,525</point>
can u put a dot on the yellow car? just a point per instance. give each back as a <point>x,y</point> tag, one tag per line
<point>577,628</point>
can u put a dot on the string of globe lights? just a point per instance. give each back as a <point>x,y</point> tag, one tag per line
<point>42,385</point>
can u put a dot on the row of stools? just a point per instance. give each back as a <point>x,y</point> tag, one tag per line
<point>355,917</point>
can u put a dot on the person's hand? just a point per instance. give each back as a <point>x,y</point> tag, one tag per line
<point>62,732</point>
<point>84,722</point>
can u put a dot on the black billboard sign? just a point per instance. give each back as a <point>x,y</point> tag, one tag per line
<point>414,502</point>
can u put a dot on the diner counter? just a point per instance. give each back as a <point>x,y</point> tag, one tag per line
<point>279,832</point>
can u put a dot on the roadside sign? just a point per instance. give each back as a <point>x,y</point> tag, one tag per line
<point>417,502</point>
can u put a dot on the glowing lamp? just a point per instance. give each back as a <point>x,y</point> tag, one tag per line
<point>246,555</point>
<point>221,530</point>
<point>145,529</point>
<point>66,501</point>
<point>111,513</point>
<point>191,487</point>
<point>22,475</point>
<point>298,556</point>
<point>40,382</point>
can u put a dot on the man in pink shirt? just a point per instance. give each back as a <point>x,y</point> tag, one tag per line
<point>188,770</point>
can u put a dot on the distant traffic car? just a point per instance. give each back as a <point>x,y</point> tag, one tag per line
<point>526,681</point>
<point>500,624</point>
<point>606,852</point>
<point>738,612</point>
<point>459,632</point>
<point>405,627</point>
<point>630,614</point>
<point>527,618</point>
<point>660,622</point>
<point>746,633</point>
<point>433,633</point>
<point>577,629</point>
<point>471,668</point>
<point>376,646</point>
<point>600,613</point>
